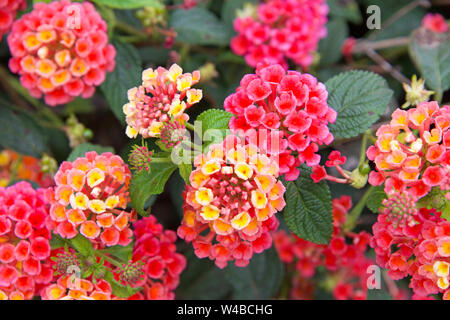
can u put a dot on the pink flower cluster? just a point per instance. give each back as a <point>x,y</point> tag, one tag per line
<point>61,51</point>
<point>435,22</point>
<point>164,95</point>
<point>345,262</point>
<point>290,105</point>
<point>89,197</point>
<point>283,29</point>
<point>230,204</point>
<point>413,152</point>
<point>419,248</point>
<point>24,242</point>
<point>155,249</point>
<point>8,10</point>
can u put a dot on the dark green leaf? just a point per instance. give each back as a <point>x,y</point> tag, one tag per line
<point>199,26</point>
<point>126,75</point>
<point>308,211</point>
<point>82,245</point>
<point>430,51</point>
<point>345,9</point>
<point>330,47</point>
<point>130,4</point>
<point>185,171</point>
<point>81,150</point>
<point>118,289</point>
<point>375,200</point>
<point>145,184</point>
<point>21,133</point>
<point>360,98</point>
<point>261,279</point>
<point>202,280</point>
<point>120,252</point>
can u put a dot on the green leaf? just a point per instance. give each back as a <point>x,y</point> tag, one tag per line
<point>360,98</point>
<point>330,47</point>
<point>261,279</point>
<point>82,245</point>
<point>130,4</point>
<point>308,211</point>
<point>82,148</point>
<point>20,133</point>
<point>57,242</point>
<point>202,280</point>
<point>122,253</point>
<point>345,9</point>
<point>118,289</point>
<point>430,52</point>
<point>199,26</point>
<point>145,184</point>
<point>126,75</point>
<point>185,171</point>
<point>213,119</point>
<point>376,198</point>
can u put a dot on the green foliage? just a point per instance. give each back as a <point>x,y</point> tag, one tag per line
<point>122,253</point>
<point>82,245</point>
<point>360,98</point>
<point>21,133</point>
<point>330,47</point>
<point>376,198</point>
<point>185,171</point>
<point>81,149</point>
<point>214,119</point>
<point>126,75</point>
<point>118,289</point>
<point>130,4</point>
<point>199,26</point>
<point>431,53</point>
<point>347,10</point>
<point>145,184</point>
<point>202,280</point>
<point>308,211</point>
<point>261,279</point>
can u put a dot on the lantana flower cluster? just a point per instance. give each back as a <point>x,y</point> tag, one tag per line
<point>292,107</point>
<point>14,166</point>
<point>89,198</point>
<point>418,246</point>
<point>412,153</point>
<point>68,287</point>
<point>61,51</point>
<point>230,204</point>
<point>155,250</point>
<point>281,30</point>
<point>343,258</point>
<point>8,11</point>
<point>24,242</point>
<point>435,22</point>
<point>164,95</point>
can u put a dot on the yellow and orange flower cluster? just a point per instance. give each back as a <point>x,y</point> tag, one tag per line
<point>60,50</point>
<point>89,198</point>
<point>413,152</point>
<point>15,166</point>
<point>71,288</point>
<point>234,193</point>
<point>163,96</point>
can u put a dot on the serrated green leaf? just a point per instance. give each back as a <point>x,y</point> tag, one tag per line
<point>143,185</point>
<point>202,280</point>
<point>199,26</point>
<point>376,198</point>
<point>330,47</point>
<point>308,211</point>
<point>214,119</point>
<point>126,75</point>
<point>118,289</point>
<point>82,148</point>
<point>130,4</point>
<point>430,52</point>
<point>82,245</point>
<point>261,279</point>
<point>185,171</point>
<point>122,253</point>
<point>21,133</point>
<point>359,98</point>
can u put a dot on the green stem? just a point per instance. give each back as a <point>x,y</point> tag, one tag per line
<point>109,259</point>
<point>362,155</point>
<point>354,214</point>
<point>189,126</point>
<point>130,29</point>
